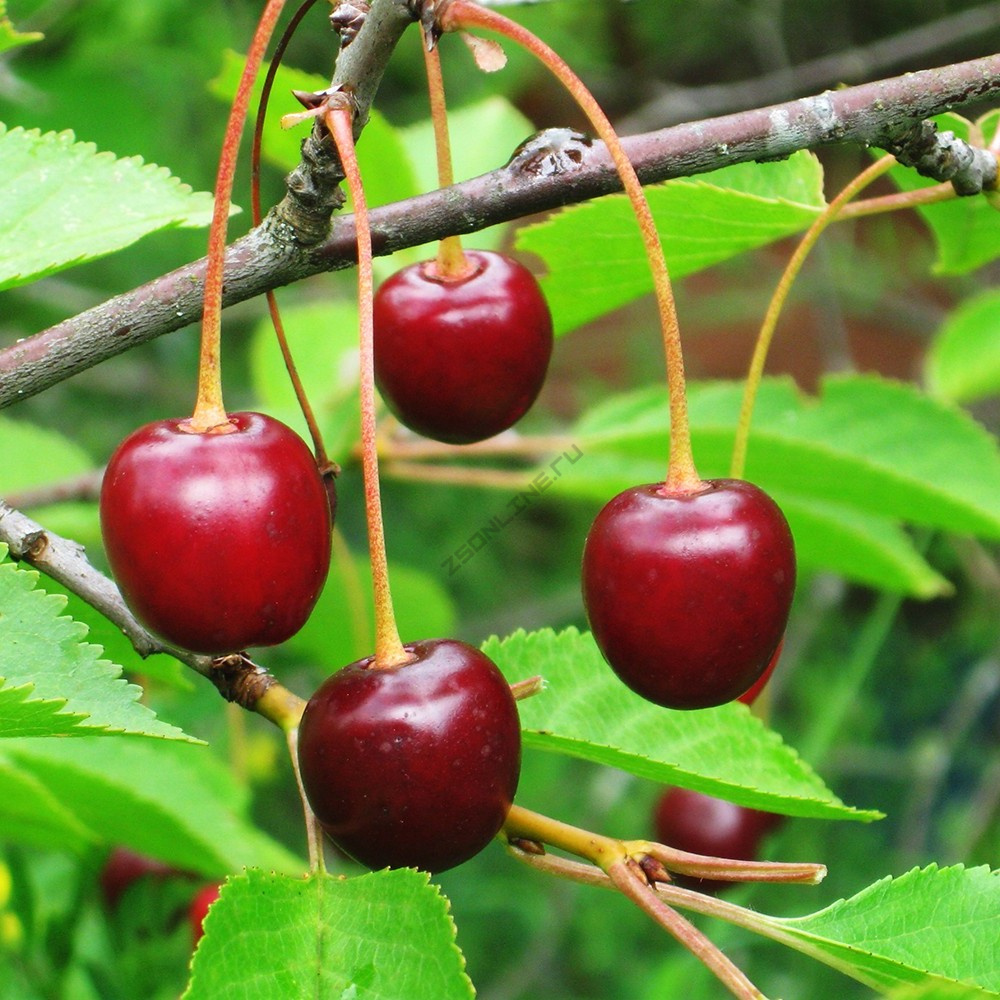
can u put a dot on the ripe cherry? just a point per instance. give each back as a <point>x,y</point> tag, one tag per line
<point>460,359</point>
<point>701,824</point>
<point>413,765</point>
<point>751,694</point>
<point>688,594</point>
<point>123,868</point>
<point>199,908</point>
<point>217,541</point>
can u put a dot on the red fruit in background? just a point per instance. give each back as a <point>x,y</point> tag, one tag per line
<point>416,765</point>
<point>199,908</point>
<point>125,867</point>
<point>460,360</point>
<point>217,541</point>
<point>688,594</point>
<point>701,824</point>
<point>750,696</point>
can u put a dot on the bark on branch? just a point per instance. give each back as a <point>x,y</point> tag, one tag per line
<point>552,170</point>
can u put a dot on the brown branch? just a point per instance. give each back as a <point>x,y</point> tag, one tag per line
<point>550,171</point>
<point>237,678</point>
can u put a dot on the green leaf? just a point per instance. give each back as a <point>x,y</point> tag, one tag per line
<point>52,682</point>
<point>33,814</point>
<point>963,364</point>
<point>931,928</point>
<point>104,203</point>
<point>862,547</point>
<point>701,221</point>
<point>10,37</point>
<point>34,456</point>
<point>585,711</point>
<point>855,444</point>
<point>381,936</point>
<point>965,230</point>
<point>172,801</point>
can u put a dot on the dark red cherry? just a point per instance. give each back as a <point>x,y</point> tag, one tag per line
<point>199,908</point>
<point>412,766</point>
<point>460,360</point>
<point>701,824</point>
<point>750,696</point>
<point>217,541</point>
<point>688,594</point>
<point>124,868</point>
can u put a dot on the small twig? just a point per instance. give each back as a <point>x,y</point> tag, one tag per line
<point>86,486</point>
<point>237,678</point>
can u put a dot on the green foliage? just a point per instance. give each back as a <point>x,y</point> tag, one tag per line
<point>701,221</point>
<point>936,925</point>
<point>52,682</point>
<point>105,203</point>
<point>963,364</point>
<point>171,801</point>
<point>10,37</point>
<point>385,935</point>
<point>586,712</point>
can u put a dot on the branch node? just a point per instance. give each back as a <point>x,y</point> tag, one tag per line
<point>943,156</point>
<point>240,680</point>
<point>347,19</point>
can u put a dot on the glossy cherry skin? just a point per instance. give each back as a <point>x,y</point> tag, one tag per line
<point>688,594</point>
<point>750,696</point>
<point>124,868</point>
<point>199,908</point>
<point>701,824</point>
<point>217,541</point>
<point>412,766</point>
<point>460,360</point>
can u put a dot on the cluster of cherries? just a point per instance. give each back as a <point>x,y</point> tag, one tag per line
<point>220,541</point>
<point>218,531</point>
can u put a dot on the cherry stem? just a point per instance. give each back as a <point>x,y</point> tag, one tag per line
<point>389,650</point>
<point>319,448</point>
<point>778,300</point>
<point>451,261</point>
<point>209,412</point>
<point>627,877</point>
<point>527,688</point>
<point>682,476</point>
<point>314,833</point>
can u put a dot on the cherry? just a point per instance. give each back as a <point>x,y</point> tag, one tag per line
<point>701,824</point>
<point>413,765</point>
<point>218,541</point>
<point>123,868</point>
<point>460,359</point>
<point>688,594</point>
<point>199,908</point>
<point>751,694</point>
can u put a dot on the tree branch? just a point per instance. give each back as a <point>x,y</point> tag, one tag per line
<point>551,170</point>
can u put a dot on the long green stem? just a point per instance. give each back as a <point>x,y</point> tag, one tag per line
<point>209,411</point>
<point>791,272</point>
<point>389,649</point>
<point>682,476</point>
